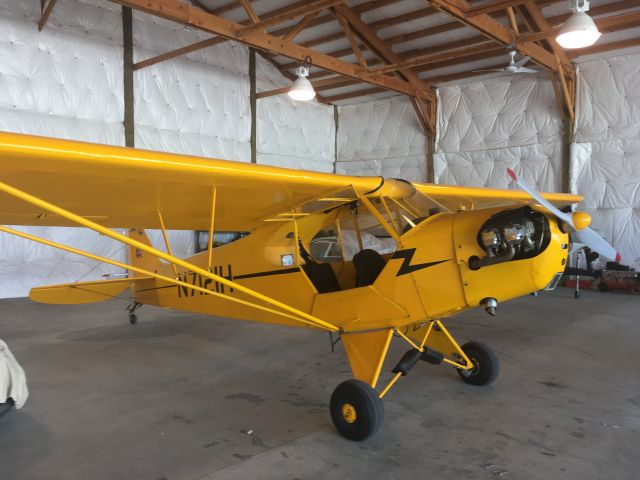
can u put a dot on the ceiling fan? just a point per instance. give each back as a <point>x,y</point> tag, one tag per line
<point>513,67</point>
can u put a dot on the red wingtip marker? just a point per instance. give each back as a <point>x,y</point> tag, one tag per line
<point>512,174</point>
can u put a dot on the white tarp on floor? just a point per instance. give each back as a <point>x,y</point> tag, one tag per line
<point>605,158</point>
<point>486,126</point>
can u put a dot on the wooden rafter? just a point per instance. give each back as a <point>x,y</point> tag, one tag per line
<point>46,12</point>
<point>492,7</point>
<point>542,24</point>
<point>253,16</point>
<point>377,45</point>
<point>179,52</point>
<point>606,47</point>
<point>356,93</point>
<point>471,50</point>
<point>377,25</point>
<point>352,39</point>
<point>211,41</point>
<point>301,25</point>
<point>605,25</point>
<point>566,92</point>
<point>322,19</point>
<point>512,20</point>
<point>186,14</point>
<point>287,15</point>
<point>493,29</point>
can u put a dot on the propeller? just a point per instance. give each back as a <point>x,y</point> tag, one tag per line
<point>578,221</point>
<point>513,67</point>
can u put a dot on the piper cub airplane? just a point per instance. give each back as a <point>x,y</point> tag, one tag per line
<point>456,248</point>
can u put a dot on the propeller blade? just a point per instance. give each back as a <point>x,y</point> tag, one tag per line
<point>587,236</point>
<point>565,217</point>
<point>596,243</point>
<point>522,61</point>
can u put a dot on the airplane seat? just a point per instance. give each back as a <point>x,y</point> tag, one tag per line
<point>368,264</point>
<point>322,277</point>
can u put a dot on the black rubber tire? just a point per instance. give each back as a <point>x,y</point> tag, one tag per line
<point>133,318</point>
<point>576,294</point>
<point>487,365</point>
<point>368,407</point>
<point>603,287</point>
<point>5,407</point>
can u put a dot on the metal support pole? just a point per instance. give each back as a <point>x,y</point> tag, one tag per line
<point>127,40</point>
<point>252,100</point>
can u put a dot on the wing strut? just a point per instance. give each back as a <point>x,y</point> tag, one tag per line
<point>293,312</point>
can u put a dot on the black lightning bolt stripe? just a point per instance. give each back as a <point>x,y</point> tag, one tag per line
<point>406,266</point>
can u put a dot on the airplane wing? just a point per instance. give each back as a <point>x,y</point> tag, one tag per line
<point>471,198</point>
<point>125,187</point>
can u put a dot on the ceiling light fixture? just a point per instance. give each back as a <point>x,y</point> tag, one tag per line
<point>579,30</point>
<point>301,89</point>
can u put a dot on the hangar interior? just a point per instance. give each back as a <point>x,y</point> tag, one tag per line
<point>403,91</point>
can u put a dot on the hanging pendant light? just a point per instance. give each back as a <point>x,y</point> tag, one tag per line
<point>301,88</point>
<point>579,30</point>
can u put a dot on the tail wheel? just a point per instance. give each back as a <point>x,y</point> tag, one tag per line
<point>356,410</point>
<point>486,365</point>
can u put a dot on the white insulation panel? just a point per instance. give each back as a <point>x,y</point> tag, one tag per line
<point>486,126</point>
<point>196,104</point>
<point>64,82</point>
<point>605,158</point>
<point>295,134</point>
<point>383,137</point>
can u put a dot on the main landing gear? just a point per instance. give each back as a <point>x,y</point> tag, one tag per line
<point>133,318</point>
<point>356,407</point>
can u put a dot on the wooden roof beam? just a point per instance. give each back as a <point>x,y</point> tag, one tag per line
<point>210,41</point>
<point>352,39</point>
<point>248,8</point>
<point>377,25</point>
<point>301,25</point>
<point>605,25</point>
<point>376,44</point>
<point>186,14</point>
<point>361,8</point>
<point>605,47</point>
<point>492,7</point>
<point>542,24</point>
<point>357,93</point>
<point>492,28</point>
<point>46,12</point>
<point>434,58</point>
<point>289,14</point>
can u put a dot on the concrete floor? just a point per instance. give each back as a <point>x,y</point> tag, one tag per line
<point>183,396</point>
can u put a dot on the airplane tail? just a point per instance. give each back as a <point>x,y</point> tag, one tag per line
<point>141,259</point>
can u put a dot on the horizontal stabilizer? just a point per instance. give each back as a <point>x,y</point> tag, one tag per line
<point>82,292</point>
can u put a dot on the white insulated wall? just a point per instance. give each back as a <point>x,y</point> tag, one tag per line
<point>382,137</point>
<point>486,126</point>
<point>605,156</point>
<point>65,82</point>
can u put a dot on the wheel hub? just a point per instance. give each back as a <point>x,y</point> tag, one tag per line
<point>470,371</point>
<point>349,413</point>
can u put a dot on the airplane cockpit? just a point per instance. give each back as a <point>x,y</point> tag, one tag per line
<point>352,246</point>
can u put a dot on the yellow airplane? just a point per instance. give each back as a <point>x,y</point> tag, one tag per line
<point>448,249</point>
